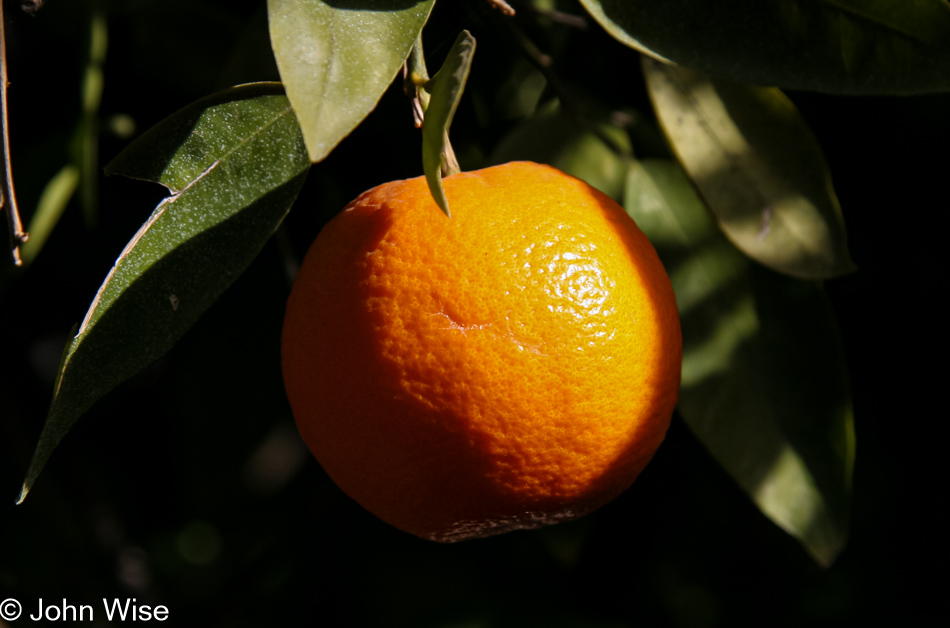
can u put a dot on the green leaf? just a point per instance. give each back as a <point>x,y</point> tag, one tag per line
<point>337,58</point>
<point>446,88</point>
<point>758,167</point>
<point>764,385</point>
<point>553,138</point>
<point>53,201</point>
<point>836,46</point>
<point>235,163</point>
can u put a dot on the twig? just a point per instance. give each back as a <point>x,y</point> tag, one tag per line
<point>7,195</point>
<point>414,76</point>
<point>502,6</point>
<point>568,19</point>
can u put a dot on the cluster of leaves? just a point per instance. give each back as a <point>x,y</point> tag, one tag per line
<point>744,217</point>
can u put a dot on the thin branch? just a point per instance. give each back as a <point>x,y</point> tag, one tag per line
<point>7,195</point>
<point>502,6</point>
<point>414,76</point>
<point>568,19</point>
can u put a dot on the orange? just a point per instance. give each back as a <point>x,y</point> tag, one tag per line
<point>513,366</point>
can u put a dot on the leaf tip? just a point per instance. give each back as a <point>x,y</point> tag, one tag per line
<point>24,491</point>
<point>825,557</point>
<point>433,177</point>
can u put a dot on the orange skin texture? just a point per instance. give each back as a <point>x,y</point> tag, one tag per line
<point>513,366</point>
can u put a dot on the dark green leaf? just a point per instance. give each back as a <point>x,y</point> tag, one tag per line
<point>837,46</point>
<point>235,162</point>
<point>757,166</point>
<point>764,385</point>
<point>337,57</point>
<point>446,88</point>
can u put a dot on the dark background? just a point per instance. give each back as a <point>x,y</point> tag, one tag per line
<point>188,487</point>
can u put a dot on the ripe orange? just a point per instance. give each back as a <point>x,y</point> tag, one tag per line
<point>513,366</point>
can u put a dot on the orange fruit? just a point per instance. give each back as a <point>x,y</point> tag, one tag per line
<point>513,366</point>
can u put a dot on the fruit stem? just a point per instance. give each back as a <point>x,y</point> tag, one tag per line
<point>450,163</point>
<point>415,78</point>
<point>416,85</point>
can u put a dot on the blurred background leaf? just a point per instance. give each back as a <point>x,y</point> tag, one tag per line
<point>836,46</point>
<point>56,196</point>
<point>88,132</point>
<point>234,163</point>
<point>764,380</point>
<point>758,167</point>
<point>82,173</point>
<point>554,138</point>
<point>337,57</point>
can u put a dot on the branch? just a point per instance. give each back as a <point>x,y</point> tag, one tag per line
<point>414,76</point>
<point>502,6</point>
<point>7,195</point>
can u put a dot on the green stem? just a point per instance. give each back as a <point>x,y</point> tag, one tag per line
<point>417,86</point>
<point>416,76</point>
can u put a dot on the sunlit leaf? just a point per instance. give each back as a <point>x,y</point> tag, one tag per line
<point>446,89</point>
<point>764,385</point>
<point>757,166</point>
<point>337,57</point>
<point>553,138</point>
<point>837,46</point>
<point>234,162</point>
